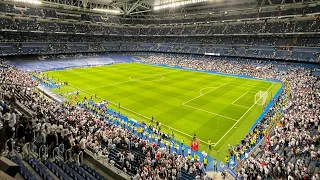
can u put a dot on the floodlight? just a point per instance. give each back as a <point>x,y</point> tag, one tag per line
<point>37,2</point>
<point>174,4</point>
<point>113,11</point>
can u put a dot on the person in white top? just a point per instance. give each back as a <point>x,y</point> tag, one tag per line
<point>82,144</point>
<point>12,120</point>
<point>7,116</point>
<point>64,132</point>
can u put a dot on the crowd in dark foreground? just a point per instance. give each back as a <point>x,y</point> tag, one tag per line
<point>292,148</point>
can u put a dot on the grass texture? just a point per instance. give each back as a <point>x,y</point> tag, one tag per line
<point>215,106</point>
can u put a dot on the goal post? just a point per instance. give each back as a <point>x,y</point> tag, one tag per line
<point>261,98</point>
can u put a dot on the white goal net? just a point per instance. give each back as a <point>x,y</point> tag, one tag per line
<point>261,98</point>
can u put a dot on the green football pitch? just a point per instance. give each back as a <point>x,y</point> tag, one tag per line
<point>219,107</point>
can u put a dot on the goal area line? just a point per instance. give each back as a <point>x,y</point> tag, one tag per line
<point>241,118</point>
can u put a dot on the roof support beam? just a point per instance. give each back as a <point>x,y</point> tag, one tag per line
<point>137,12</point>
<point>134,6</point>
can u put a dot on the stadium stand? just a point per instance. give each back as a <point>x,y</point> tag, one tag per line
<point>50,140</point>
<point>89,36</point>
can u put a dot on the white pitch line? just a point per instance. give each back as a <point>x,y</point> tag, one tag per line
<point>211,112</point>
<point>240,118</point>
<point>239,97</point>
<point>200,92</point>
<point>204,93</point>
<point>240,106</point>
<point>248,85</point>
<point>233,103</point>
<point>130,80</point>
<point>140,114</point>
<point>85,72</point>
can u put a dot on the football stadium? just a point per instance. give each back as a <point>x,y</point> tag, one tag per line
<point>160,89</point>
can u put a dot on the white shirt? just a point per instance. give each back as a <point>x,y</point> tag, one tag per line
<point>82,143</point>
<point>12,120</point>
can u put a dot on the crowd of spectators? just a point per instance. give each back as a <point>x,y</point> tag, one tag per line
<point>284,48</point>
<point>82,127</point>
<point>292,150</point>
<point>6,37</point>
<point>256,27</point>
<point>68,37</point>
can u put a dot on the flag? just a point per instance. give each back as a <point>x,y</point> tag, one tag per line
<point>196,145</point>
<point>191,146</point>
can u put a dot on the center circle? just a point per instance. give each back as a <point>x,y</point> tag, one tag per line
<point>146,77</point>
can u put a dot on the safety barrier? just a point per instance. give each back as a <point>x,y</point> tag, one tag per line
<point>68,154</point>
<point>61,148</point>
<point>33,146</point>
<point>79,158</point>
<point>45,149</point>
<point>55,152</point>
<point>12,144</point>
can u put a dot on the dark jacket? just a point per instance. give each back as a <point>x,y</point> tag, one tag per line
<point>67,144</point>
<point>20,132</point>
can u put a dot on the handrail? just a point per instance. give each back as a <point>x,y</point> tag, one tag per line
<point>34,147</point>
<point>45,150</point>
<point>23,140</point>
<point>68,154</point>
<point>80,157</point>
<point>12,144</point>
<point>56,149</point>
<point>61,148</point>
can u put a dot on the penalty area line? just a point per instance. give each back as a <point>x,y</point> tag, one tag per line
<point>241,118</point>
<point>239,97</point>
<point>233,103</point>
<point>211,112</point>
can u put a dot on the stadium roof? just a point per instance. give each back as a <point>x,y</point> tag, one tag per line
<point>168,8</point>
